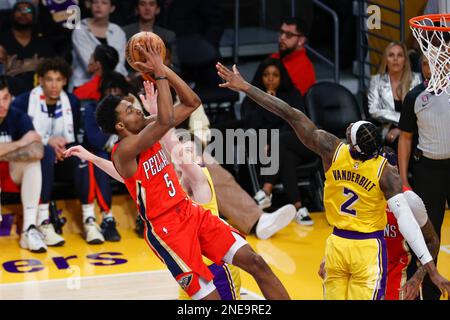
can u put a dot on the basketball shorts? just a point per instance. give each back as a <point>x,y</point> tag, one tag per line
<point>6,182</point>
<point>181,236</point>
<point>356,266</point>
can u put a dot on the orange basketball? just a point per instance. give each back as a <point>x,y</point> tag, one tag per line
<point>140,39</point>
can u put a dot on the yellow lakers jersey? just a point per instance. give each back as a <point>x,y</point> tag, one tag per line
<point>212,204</point>
<point>353,198</point>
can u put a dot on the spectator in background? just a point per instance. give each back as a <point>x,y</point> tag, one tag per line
<point>389,87</point>
<point>147,10</point>
<point>292,52</point>
<point>93,32</point>
<point>272,77</point>
<point>15,85</point>
<point>103,61</point>
<point>101,145</point>
<point>20,170</point>
<point>199,26</point>
<point>25,48</point>
<point>56,116</point>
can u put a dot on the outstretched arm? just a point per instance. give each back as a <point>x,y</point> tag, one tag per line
<point>321,142</point>
<point>105,165</point>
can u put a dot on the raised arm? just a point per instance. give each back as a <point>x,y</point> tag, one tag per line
<point>321,142</point>
<point>189,100</point>
<point>133,145</point>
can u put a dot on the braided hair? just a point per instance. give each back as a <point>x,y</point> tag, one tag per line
<point>366,139</point>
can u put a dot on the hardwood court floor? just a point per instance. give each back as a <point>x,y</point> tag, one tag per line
<point>128,270</point>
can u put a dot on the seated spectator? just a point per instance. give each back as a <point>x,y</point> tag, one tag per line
<point>292,53</point>
<point>147,11</point>
<point>93,32</point>
<point>101,145</point>
<point>20,171</point>
<point>272,77</point>
<point>389,87</point>
<point>56,116</point>
<point>199,26</point>
<point>102,62</point>
<point>25,48</point>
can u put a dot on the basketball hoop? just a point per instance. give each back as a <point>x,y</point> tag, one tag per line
<point>433,34</point>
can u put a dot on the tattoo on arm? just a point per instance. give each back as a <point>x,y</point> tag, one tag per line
<point>319,141</point>
<point>32,152</point>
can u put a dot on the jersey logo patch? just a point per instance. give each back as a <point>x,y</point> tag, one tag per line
<point>356,166</point>
<point>185,281</point>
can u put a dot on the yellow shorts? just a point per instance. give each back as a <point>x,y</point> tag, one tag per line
<point>227,280</point>
<point>355,265</point>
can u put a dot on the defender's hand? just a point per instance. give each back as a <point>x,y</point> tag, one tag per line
<point>233,79</point>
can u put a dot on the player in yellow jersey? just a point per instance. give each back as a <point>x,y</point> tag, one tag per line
<point>358,183</point>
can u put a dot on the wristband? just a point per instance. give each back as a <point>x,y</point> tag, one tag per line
<point>160,78</point>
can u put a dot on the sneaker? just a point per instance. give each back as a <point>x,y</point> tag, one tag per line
<point>51,238</point>
<point>139,227</point>
<point>271,223</point>
<point>264,201</point>
<point>32,240</point>
<point>303,217</point>
<point>92,232</point>
<point>109,231</point>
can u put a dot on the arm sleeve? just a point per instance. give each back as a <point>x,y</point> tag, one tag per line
<point>409,228</point>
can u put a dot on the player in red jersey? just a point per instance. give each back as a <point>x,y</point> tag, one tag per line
<point>399,256</point>
<point>176,229</point>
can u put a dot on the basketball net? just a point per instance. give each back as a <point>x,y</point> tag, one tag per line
<point>433,35</point>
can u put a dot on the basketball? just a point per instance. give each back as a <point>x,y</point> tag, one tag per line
<point>133,54</point>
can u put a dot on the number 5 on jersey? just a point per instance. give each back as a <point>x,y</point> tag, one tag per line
<point>169,184</point>
<point>346,206</point>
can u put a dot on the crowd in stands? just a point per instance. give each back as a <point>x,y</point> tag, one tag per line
<point>53,77</point>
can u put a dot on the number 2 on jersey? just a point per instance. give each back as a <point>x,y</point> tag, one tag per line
<point>169,185</point>
<point>345,207</point>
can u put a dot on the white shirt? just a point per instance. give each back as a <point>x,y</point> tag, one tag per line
<point>84,44</point>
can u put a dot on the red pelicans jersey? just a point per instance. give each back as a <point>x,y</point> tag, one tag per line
<point>398,258</point>
<point>156,180</point>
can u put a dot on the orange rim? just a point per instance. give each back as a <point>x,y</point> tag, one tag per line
<point>414,22</point>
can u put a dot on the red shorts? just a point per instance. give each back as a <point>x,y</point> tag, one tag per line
<point>181,236</point>
<point>396,278</point>
<point>6,182</point>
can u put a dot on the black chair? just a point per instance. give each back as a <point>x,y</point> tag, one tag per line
<point>332,107</point>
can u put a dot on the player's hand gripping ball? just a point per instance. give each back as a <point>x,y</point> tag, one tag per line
<point>133,54</point>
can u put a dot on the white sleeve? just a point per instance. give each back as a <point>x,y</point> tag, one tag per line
<point>417,207</point>
<point>409,228</point>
